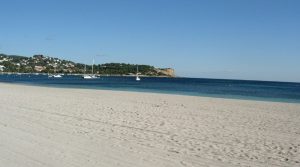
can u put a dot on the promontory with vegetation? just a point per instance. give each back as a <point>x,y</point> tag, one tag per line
<point>46,64</point>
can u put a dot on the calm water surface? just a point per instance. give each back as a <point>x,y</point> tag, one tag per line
<point>240,89</point>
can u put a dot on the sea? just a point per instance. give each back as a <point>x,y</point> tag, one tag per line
<point>219,88</point>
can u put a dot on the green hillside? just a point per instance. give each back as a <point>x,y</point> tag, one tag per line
<point>46,64</point>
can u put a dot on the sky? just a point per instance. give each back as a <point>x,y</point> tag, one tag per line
<point>232,39</point>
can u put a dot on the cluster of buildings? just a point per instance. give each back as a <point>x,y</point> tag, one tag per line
<point>45,64</point>
<point>53,63</point>
<point>2,68</point>
<point>3,59</point>
<point>37,63</point>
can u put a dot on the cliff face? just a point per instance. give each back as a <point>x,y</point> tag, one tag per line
<point>166,71</point>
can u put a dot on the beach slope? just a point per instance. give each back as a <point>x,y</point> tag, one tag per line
<point>51,127</point>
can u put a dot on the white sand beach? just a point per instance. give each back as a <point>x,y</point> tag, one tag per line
<point>58,127</point>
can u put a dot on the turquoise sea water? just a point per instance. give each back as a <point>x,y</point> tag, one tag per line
<point>237,89</point>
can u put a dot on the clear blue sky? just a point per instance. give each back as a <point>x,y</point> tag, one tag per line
<point>242,39</point>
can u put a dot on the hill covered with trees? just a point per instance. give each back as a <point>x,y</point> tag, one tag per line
<point>46,64</point>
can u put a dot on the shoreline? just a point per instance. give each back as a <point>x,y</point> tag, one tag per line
<point>117,75</point>
<point>232,97</point>
<point>42,126</point>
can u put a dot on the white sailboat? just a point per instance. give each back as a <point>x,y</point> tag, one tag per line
<point>86,76</point>
<point>93,75</point>
<point>57,76</point>
<point>89,76</point>
<point>137,78</point>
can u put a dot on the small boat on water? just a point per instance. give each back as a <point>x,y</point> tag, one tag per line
<point>86,77</point>
<point>137,78</point>
<point>55,76</point>
<point>90,76</point>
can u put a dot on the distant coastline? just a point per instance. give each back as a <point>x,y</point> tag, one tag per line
<point>79,74</point>
<point>50,65</point>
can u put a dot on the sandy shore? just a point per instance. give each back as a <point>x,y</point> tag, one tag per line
<point>55,127</point>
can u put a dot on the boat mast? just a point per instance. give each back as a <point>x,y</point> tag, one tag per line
<point>93,65</point>
<point>137,73</point>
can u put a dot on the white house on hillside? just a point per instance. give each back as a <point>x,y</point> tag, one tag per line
<point>2,67</point>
